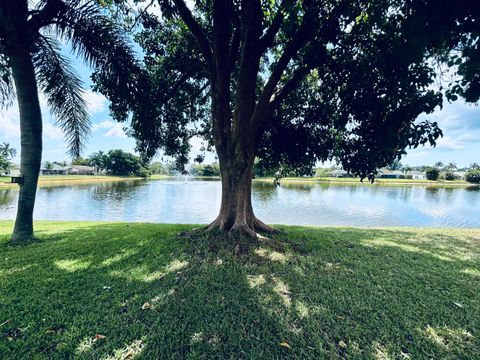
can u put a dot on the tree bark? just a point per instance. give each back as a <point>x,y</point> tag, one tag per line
<point>236,211</point>
<point>31,141</point>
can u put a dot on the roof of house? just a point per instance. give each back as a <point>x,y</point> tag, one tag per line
<point>82,168</point>
<point>390,172</point>
<point>53,167</point>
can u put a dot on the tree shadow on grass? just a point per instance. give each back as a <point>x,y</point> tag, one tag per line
<point>306,293</point>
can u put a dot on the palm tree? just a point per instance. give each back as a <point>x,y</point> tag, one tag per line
<point>7,151</point>
<point>30,59</point>
<point>406,169</point>
<point>98,160</point>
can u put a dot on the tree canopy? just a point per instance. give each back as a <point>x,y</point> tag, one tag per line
<point>294,82</point>
<point>342,80</point>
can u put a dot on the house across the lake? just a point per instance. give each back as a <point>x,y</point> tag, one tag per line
<point>13,171</point>
<point>416,175</point>
<point>53,169</point>
<point>397,174</point>
<point>338,173</point>
<point>390,174</point>
<point>81,170</point>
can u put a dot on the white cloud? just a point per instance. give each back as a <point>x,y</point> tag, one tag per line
<point>114,129</point>
<point>469,137</point>
<point>52,132</point>
<point>9,126</point>
<point>96,102</point>
<point>448,143</point>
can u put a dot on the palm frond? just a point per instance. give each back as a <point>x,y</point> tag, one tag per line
<point>7,90</point>
<point>63,88</point>
<point>97,40</point>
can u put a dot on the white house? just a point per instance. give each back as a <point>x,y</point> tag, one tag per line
<point>338,173</point>
<point>416,175</point>
<point>13,171</point>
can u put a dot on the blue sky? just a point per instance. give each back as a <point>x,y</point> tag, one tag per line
<point>460,124</point>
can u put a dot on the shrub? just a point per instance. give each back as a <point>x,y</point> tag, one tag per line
<point>432,173</point>
<point>143,172</point>
<point>449,175</point>
<point>473,176</point>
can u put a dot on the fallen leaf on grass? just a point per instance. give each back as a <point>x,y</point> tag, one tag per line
<point>146,306</point>
<point>98,337</point>
<point>285,345</point>
<point>342,344</point>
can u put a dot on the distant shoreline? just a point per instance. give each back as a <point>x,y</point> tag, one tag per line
<point>62,180</point>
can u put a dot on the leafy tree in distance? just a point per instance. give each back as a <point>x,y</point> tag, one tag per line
<point>432,173</point>
<point>158,168</point>
<point>31,58</point>
<point>124,164</point>
<point>80,161</point>
<point>395,165</point>
<point>474,166</point>
<point>292,83</point>
<point>4,164</point>
<point>473,176</point>
<point>48,165</point>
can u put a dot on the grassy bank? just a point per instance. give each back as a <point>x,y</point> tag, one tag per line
<point>60,180</point>
<point>383,182</point>
<point>103,291</point>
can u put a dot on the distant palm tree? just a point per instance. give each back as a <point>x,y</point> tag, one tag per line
<point>30,57</point>
<point>451,166</point>
<point>7,151</point>
<point>98,160</point>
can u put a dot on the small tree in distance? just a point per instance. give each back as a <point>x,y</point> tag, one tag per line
<point>473,176</point>
<point>432,173</point>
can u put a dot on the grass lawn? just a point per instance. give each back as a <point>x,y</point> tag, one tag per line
<point>123,291</point>
<point>60,180</point>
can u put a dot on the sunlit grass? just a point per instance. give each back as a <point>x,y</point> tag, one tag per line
<point>140,291</point>
<point>63,180</point>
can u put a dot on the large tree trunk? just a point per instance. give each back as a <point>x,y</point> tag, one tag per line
<point>236,212</point>
<point>31,141</point>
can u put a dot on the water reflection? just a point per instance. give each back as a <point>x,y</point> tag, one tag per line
<point>189,201</point>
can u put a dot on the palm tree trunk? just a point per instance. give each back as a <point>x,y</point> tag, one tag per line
<point>31,141</point>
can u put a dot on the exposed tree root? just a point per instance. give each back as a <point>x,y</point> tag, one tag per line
<point>260,226</point>
<point>241,229</point>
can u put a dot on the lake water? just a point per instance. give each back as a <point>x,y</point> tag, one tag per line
<point>180,201</point>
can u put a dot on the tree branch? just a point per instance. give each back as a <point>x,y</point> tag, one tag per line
<point>290,85</point>
<point>267,39</point>
<point>300,38</point>
<point>196,29</point>
<point>250,32</point>
<point>179,83</point>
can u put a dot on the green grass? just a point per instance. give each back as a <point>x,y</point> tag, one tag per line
<point>307,293</point>
<point>61,180</point>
